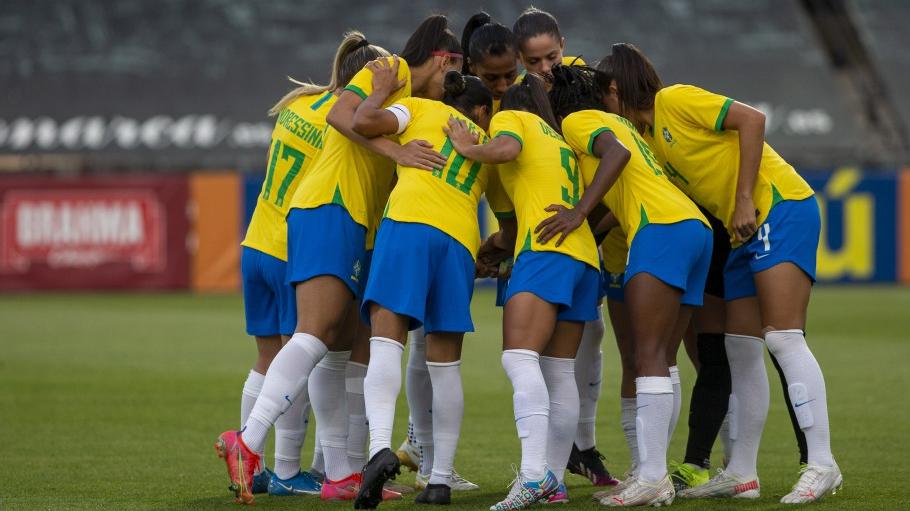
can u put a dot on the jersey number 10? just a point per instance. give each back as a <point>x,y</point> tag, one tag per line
<point>455,168</point>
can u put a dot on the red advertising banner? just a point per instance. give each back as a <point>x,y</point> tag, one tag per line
<point>99,232</point>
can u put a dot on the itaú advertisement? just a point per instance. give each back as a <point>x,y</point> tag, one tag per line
<point>93,233</point>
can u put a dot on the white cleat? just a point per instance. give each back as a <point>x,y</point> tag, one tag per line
<point>814,483</point>
<point>724,485</point>
<point>456,483</point>
<point>598,495</point>
<point>642,493</point>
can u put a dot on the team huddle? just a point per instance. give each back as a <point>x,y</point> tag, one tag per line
<point>664,201</point>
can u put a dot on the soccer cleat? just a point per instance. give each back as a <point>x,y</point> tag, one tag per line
<point>381,467</point>
<point>724,485</point>
<point>347,488</point>
<point>524,494</point>
<point>614,490</point>
<point>456,482</point>
<point>241,464</point>
<point>589,463</point>
<point>560,496</point>
<point>409,455</point>
<point>261,481</point>
<point>642,493</point>
<point>439,494</point>
<point>814,483</point>
<point>687,475</point>
<point>301,484</point>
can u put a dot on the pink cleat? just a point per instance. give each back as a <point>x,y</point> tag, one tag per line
<point>347,488</point>
<point>241,464</point>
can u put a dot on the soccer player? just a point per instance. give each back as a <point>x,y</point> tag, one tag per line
<point>553,289</point>
<point>541,46</point>
<point>422,272</point>
<point>669,252</point>
<point>491,54</point>
<point>269,303</point>
<point>335,208</point>
<point>540,43</point>
<point>713,148</point>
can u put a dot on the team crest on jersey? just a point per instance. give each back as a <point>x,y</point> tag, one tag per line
<point>355,276</point>
<point>667,136</point>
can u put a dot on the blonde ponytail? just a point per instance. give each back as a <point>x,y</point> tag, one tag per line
<point>353,53</point>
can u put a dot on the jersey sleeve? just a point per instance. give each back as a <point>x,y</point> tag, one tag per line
<point>405,109</point>
<point>497,197</point>
<point>697,106</point>
<point>362,83</point>
<point>582,128</point>
<point>507,124</point>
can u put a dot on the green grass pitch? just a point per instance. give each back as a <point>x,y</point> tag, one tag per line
<point>114,401</point>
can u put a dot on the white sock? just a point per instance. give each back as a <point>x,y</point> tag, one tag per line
<point>588,373</point>
<point>725,438</point>
<point>290,431</point>
<point>251,388</point>
<point>806,387</point>
<point>654,396</point>
<point>419,391</point>
<point>327,390</point>
<point>380,390</point>
<point>559,375</point>
<point>532,409</point>
<point>677,401</point>
<point>748,402</point>
<point>318,463</point>
<point>627,416</point>
<point>448,411</point>
<point>285,379</point>
<point>358,431</point>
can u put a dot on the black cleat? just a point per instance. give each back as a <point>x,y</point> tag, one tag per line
<point>381,467</point>
<point>589,464</point>
<point>439,494</point>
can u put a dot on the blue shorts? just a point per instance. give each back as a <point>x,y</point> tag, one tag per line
<point>678,254</point>
<point>423,273</point>
<point>613,286</point>
<point>326,241</point>
<point>559,279</point>
<point>268,301</point>
<point>789,235</point>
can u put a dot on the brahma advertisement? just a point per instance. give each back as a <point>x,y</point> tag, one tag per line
<point>94,233</point>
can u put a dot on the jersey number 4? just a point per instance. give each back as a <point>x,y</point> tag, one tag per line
<point>287,152</point>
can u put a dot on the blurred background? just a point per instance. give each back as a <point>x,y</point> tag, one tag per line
<point>133,134</point>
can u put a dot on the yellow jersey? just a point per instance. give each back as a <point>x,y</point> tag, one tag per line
<point>445,198</point>
<point>347,173</point>
<point>615,251</point>
<point>702,159</point>
<point>546,172</point>
<point>297,140</point>
<point>642,194</point>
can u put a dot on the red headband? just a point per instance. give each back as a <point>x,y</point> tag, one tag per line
<point>451,55</point>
